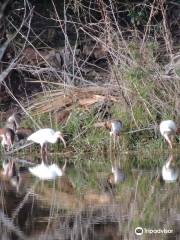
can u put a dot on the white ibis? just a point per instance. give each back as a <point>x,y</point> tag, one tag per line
<point>115,127</point>
<point>169,173</point>
<point>7,137</point>
<point>47,172</point>
<point>13,121</point>
<point>44,136</point>
<point>168,130</point>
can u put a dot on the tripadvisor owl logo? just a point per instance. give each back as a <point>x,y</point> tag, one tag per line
<point>139,231</point>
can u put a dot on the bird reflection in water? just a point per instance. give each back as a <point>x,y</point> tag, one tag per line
<point>20,177</point>
<point>170,172</point>
<point>15,175</point>
<point>45,171</point>
<point>117,176</point>
<point>108,184</point>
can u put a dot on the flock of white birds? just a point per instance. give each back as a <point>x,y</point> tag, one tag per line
<point>43,137</point>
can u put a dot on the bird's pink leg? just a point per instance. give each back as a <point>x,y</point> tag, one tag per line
<point>114,138</point>
<point>168,140</point>
<point>117,140</point>
<point>46,149</point>
<point>11,145</point>
<point>172,138</point>
<point>110,142</point>
<point>42,151</point>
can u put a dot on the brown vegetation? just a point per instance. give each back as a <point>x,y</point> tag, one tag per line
<point>122,57</point>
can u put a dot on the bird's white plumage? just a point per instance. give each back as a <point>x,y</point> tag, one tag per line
<point>169,174</point>
<point>168,130</point>
<point>54,168</point>
<point>43,136</point>
<point>168,127</point>
<point>116,127</point>
<point>46,172</point>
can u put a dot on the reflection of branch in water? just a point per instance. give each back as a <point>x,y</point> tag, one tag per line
<point>11,227</point>
<point>24,201</point>
<point>82,224</point>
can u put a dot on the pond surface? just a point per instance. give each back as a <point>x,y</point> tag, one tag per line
<point>84,205</point>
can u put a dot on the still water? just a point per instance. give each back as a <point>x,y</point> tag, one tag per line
<point>87,204</point>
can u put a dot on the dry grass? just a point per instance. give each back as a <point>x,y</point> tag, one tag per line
<point>132,69</point>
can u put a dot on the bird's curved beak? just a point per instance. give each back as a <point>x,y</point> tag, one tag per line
<point>62,139</point>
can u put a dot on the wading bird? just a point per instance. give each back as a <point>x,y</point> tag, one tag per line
<point>115,127</point>
<point>13,121</point>
<point>168,130</point>
<point>7,138</point>
<point>169,173</point>
<point>45,136</point>
<point>47,172</point>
